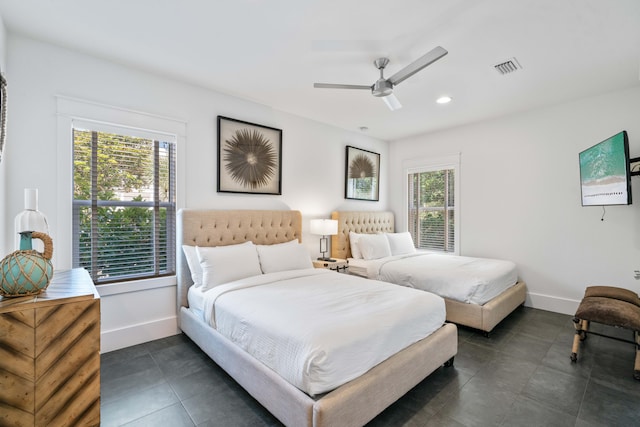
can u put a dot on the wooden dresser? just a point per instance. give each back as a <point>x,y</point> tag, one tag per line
<point>50,354</point>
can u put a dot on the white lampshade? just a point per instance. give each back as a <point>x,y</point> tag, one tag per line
<point>323,227</point>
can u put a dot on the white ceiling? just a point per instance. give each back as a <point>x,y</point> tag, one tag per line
<point>272,51</point>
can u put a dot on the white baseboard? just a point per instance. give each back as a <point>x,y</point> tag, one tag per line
<point>551,303</point>
<point>137,334</point>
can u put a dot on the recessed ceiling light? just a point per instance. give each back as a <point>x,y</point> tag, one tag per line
<point>444,100</point>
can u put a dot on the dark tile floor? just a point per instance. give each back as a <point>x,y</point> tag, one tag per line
<point>520,376</point>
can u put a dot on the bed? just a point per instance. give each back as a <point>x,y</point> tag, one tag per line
<point>495,302</point>
<point>353,403</point>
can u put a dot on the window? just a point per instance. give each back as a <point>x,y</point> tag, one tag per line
<point>432,214</point>
<point>124,202</point>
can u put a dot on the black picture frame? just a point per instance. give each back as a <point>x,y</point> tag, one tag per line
<point>634,166</point>
<point>362,175</point>
<point>249,158</point>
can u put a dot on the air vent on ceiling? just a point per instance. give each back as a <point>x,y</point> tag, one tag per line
<point>508,66</point>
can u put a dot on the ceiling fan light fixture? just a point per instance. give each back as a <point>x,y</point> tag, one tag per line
<point>382,87</point>
<point>392,102</point>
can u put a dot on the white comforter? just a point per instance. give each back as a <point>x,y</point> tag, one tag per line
<point>464,279</point>
<point>320,329</point>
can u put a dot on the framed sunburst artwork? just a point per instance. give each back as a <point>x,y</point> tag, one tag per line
<point>249,157</point>
<point>362,174</point>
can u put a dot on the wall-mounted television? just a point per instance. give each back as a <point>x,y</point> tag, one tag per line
<point>604,172</point>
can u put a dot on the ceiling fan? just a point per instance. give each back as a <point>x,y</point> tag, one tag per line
<point>383,88</point>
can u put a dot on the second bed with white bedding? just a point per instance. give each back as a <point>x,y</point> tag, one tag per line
<point>361,236</point>
<point>334,312</point>
<point>464,279</point>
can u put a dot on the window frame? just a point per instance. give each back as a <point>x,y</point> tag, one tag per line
<point>70,109</point>
<point>94,128</point>
<point>431,165</point>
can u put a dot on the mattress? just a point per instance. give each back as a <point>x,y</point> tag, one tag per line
<point>463,279</point>
<point>195,297</point>
<point>344,325</point>
<point>358,266</point>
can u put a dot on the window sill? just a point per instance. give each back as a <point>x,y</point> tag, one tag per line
<point>136,285</point>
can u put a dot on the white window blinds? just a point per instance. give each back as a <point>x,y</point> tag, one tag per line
<point>124,201</point>
<point>431,209</point>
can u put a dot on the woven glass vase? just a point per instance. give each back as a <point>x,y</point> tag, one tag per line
<point>27,271</point>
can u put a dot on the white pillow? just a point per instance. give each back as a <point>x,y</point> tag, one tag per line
<point>401,243</point>
<point>374,246</point>
<point>194,264</point>
<point>223,264</point>
<point>353,242</point>
<point>283,256</point>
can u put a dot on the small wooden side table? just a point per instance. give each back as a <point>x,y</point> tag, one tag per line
<point>50,354</point>
<point>339,265</point>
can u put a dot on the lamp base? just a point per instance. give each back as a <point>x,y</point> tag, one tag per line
<point>326,259</point>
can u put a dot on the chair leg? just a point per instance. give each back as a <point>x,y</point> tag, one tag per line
<point>585,328</point>
<point>577,323</point>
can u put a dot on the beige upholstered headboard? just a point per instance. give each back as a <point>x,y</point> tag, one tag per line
<point>358,222</point>
<point>221,228</point>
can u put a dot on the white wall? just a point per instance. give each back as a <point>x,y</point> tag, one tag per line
<point>520,196</point>
<point>312,173</point>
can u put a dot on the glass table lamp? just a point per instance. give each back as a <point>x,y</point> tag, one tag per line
<point>30,219</point>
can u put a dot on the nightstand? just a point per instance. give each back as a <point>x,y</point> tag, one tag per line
<point>50,348</point>
<point>339,265</point>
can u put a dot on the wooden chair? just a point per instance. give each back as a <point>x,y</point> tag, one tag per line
<point>610,306</point>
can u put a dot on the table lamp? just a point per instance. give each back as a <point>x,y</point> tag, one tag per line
<point>30,219</point>
<point>324,228</point>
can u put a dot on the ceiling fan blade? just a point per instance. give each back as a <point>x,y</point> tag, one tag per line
<point>417,65</point>
<point>392,102</point>
<point>338,86</point>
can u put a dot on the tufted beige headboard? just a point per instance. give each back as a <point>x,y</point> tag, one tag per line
<point>221,228</point>
<point>358,222</point>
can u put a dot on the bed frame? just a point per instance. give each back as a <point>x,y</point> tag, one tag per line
<point>354,403</point>
<point>483,317</point>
